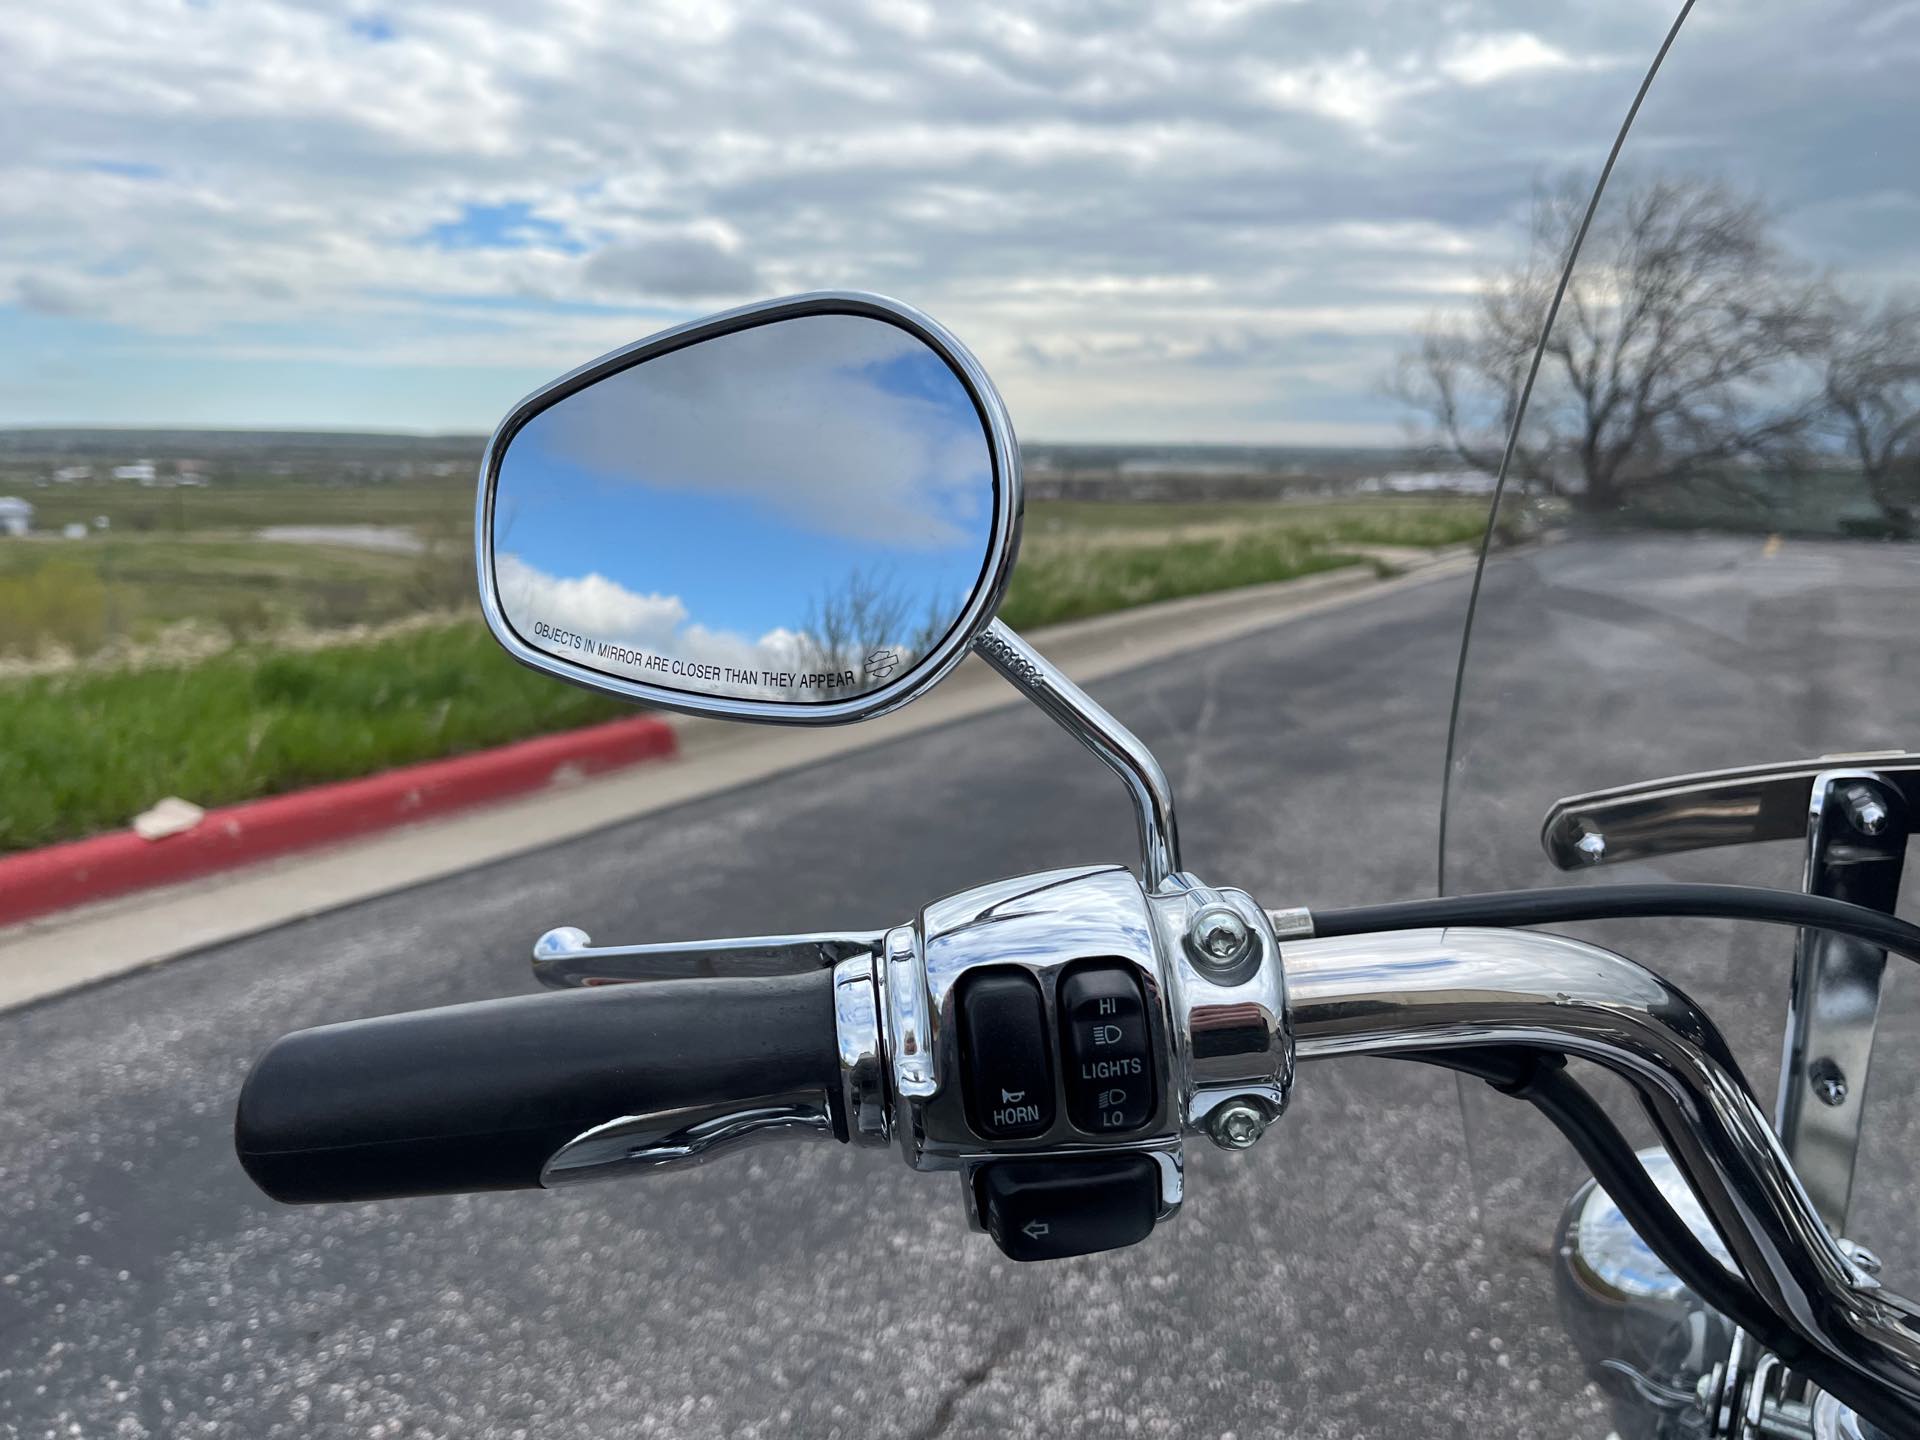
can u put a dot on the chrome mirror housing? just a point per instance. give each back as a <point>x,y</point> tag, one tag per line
<point>802,511</point>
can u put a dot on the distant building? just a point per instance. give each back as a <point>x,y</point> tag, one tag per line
<point>68,474</point>
<point>74,530</point>
<point>16,515</point>
<point>141,471</point>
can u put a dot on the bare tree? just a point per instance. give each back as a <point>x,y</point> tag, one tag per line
<point>1872,397</point>
<point>860,616</point>
<point>1672,356</point>
<point>936,618</point>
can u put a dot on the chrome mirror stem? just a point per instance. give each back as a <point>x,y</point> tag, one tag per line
<point>1089,722</point>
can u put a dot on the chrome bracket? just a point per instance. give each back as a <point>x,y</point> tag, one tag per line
<point>1704,810</point>
<point>1856,849</point>
<point>1852,812</point>
<point>1089,722</point>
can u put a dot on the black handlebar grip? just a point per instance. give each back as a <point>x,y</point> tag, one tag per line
<point>477,1097</point>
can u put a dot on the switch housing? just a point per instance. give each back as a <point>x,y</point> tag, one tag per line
<point>984,983</point>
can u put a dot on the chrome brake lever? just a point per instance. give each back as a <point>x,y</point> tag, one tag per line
<point>566,958</point>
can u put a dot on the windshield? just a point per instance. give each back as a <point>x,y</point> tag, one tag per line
<point>1702,554</point>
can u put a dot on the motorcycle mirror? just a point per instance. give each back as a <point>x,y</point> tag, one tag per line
<point>801,511</point>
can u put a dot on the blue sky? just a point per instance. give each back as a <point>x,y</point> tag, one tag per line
<point>1205,220</point>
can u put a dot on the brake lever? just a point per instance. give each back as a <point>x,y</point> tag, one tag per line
<point>566,958</point>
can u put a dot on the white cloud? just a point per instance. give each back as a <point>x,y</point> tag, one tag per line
<point>592,603</point>
<point>600,623</point>
<point>1352,88</point>
<point>256,180</point>
<point>671,266</point>
<point>549,611</point>
<point>790,416</point>
<point>1487,59</point>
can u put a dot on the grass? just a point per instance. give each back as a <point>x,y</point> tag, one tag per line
<point>82,594</point>
<point>1052,584</point>
<point>1090,558</point>
<point>86,749</point>
<point>1385,520</point>
<point>258,722</point>
<point>135,510</point>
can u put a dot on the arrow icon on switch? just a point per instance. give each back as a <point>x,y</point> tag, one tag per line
<point>1034,1229</point>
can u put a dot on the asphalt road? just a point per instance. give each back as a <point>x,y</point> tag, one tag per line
<point>1352,1276</point>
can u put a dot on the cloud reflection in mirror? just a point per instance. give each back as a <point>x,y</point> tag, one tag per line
<point>797,511</point>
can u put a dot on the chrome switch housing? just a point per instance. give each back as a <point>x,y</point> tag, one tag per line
<point>1081,938</point>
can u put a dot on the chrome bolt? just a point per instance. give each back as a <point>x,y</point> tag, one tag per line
<point>1236,1125</point>
<point>1592,846</point>
<point>1220,936</point>
<point>1829,1082</point>
<point>1862,1256</point>
<point>1866,809</point>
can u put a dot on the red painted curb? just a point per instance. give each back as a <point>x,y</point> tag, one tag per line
<point>41,881</point>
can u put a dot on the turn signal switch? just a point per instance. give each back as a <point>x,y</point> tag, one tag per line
<point>1054,1038</point>
<point>1050,1209</point>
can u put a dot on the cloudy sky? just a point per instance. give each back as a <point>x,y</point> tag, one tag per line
<point>1214,220</point>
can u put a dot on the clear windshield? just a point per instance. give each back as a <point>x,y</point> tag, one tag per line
<point>1704,554</point>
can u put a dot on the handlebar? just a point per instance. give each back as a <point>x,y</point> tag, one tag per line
<point>1412,993</point>
<point>481,1096</point>
<point>550,1088</point>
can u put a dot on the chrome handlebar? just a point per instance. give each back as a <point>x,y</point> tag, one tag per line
<point>1407,993</point>
<point>1420,991</point>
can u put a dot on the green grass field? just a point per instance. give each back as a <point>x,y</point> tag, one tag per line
<point>1089,558</point>
<point>1382,520</point>
<point>87,748</point>
<point>129,585</point>
<point>245,508</point>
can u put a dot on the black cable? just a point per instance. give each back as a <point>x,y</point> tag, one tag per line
<point>1540,1078</point>
<point>1563,904</point>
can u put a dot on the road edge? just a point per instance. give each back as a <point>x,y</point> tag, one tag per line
<point>60,877</point>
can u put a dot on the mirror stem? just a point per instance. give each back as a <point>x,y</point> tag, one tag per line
<point>1089,722</point>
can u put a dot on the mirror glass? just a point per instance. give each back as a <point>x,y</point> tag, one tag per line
<point>796,512</point>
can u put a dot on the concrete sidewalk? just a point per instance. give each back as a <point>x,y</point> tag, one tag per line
<point>60,952</point>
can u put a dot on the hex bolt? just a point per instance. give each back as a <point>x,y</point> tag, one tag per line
<point>1862,1257</point>
<point>1219,936</point>
<point>1236,1125</point>
<point>1829,1082</point>
<point>1866,809</point>
<point>1591,846</point>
